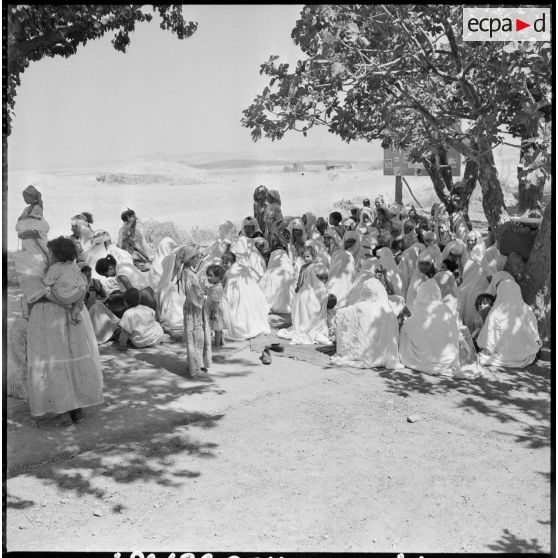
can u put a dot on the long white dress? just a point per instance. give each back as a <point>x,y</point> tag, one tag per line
<point>387,261</point>
<point>510,336</point>
<point>278,282</point>
<point>248,308</point>
<point>429,339</point>
<point>367,332</point>
<point>309,312</point>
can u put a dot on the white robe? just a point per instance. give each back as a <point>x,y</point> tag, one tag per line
<point>408,264</point>
<point>166,246</point>
<point>367,332</point>
<point>247,254</point>
<point>170,301</point>
<point>342,273</point>
<point>278,282</point>
<point>248,308</point>
<point>309,313</point>
<point>474,283</point>
<point>429,339</point>
<point>510,336</point>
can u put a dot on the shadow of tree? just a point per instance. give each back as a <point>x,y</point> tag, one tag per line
<point>507,395</point>
<point>151,460</point>
<point>510,543</point>
<point>17,503</point>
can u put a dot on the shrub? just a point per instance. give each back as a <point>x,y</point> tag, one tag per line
<point>155,231</point>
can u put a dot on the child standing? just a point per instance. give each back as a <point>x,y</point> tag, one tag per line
<point>138,323</point>
<point>216,305</point>
<point>67,283</point>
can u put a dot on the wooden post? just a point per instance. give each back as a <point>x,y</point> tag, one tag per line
<point>398,190</point>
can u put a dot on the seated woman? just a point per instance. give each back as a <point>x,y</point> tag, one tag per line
<point>387,261</point>
<point>424,271</point>
<point>166,246</point>
<point>127,277</point>
<point>279,281</point>
<point>297,233</point>
<point>248,308</point>
<point>509,338</point>
<point>248,255</point>
<point>309,310</point>
<point>367,332</point>
<point>429,339</point>
<point>351,243</point>
<point>408,264</point>
<point>474,282</point>
<point>342,273</point>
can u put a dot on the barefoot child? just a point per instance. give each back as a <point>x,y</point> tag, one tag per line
<point>216,302</point>
<point>309,256</point>
<point>67,283</point>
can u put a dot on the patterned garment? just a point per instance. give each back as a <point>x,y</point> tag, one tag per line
<point>197,333</point>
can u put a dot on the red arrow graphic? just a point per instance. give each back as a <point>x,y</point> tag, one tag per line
<point>519,24</point>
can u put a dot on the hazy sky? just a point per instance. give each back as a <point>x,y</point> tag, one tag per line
<point>163,96</point>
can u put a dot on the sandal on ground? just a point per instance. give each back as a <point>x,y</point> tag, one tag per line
<point>59,421</point>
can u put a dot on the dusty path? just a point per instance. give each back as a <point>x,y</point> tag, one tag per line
<point>292,456</point>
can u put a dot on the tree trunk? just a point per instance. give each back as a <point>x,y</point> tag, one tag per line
<point>539,264</point>
<point>536,284</point>
<point>492,196</point>
<point>530,176</point>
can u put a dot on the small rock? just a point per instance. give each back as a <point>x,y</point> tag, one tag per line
<point>97,513</point>
<point>413,418</point>
<point>374,540</point>
<point>21,527</point>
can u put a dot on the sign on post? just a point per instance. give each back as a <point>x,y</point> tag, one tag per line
<point>397,163</point>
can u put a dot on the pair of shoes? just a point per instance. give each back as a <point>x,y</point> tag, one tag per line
<point>266,356</point>
<point>77,415</point>
<point>58,421</point>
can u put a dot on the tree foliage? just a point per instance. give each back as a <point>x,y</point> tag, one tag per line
<point>402,74</point>
<point>36,31</point>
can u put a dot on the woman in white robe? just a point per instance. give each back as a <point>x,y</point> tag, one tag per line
<point>309,310</point>
<point>342,273</point>
<point>248,308</point>
<point>279,281</point>
<point>509,337</point>
<point>426,260</point>
<point>166,246</point>
<point>429,339</point>
<point>387,261</point>
<point>408,265</point>
<point>248,255</point>
<point>474,283</point>
<point>170,300</point>
<point>367,331</point>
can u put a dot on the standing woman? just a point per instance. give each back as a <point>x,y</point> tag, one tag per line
<point>80,236</point>
<point>260,205</point>
<point>197,333</point>
<point>130,238</point>
<point>63,365</point>
<point>273,217</point>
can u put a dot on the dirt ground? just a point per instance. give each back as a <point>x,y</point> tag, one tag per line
<point>295,456</point>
